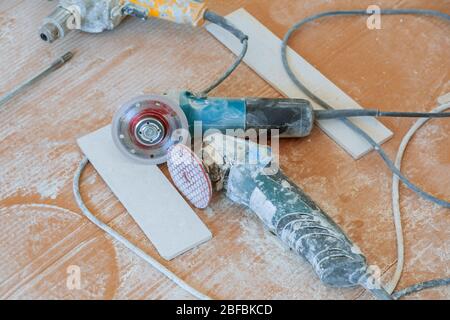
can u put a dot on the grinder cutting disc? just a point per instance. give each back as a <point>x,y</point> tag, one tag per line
<point>190,176</point>
<point>145,128</point>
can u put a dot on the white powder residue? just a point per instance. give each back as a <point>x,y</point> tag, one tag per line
<point>38,168</point>
<point>262,207</point>
<point>28,230</point>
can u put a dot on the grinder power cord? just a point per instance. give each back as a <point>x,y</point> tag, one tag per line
<point>394,167</point>
<point>95,16</point>
<point>325,105</point>
<point>378,291</point>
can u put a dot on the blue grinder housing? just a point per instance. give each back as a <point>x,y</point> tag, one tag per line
<point>293,118</point>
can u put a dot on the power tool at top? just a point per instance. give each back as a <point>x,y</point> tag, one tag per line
<point>95,16</point>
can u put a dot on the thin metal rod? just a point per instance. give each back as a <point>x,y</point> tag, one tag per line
<point>54,66</point>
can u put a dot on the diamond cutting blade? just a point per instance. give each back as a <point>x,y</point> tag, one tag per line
<point>190,176</point>
<point>145,128</point>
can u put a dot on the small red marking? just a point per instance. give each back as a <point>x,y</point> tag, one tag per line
<point>186,177</point>
<point>151,111</point>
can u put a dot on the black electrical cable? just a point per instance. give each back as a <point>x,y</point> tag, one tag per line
<point>221,21</point>
<point>243,38</point>
<point>374,144</point>
<point>420,286</point>
<point>336,114</point>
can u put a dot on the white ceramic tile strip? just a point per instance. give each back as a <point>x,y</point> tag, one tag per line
<point>153,202</point>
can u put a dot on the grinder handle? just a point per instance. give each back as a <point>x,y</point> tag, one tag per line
<point>289,213</point>
<point>294,118</point>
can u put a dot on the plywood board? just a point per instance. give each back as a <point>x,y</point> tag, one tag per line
<point>157,207</point>
<point>264,57</point>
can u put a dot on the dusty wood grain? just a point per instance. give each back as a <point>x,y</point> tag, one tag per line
<point>405,66</point>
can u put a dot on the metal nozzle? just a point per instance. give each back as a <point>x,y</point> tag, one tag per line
<point>55,25</point>
<point>49,32</point>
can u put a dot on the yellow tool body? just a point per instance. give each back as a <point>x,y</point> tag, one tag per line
<point>179,11</point>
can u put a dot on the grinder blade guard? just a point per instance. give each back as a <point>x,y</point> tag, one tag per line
<point>145,128</point>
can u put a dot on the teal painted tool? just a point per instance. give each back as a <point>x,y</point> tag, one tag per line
<point>145,128</point>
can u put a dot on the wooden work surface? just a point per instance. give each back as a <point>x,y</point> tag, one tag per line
<point>404,66</point>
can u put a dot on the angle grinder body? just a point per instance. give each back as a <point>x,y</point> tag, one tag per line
<point>292,118</point>
<point>145,128</point>
<point>246,172</point>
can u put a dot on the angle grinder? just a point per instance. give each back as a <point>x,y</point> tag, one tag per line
<point>145,128</point>
<point>245,172</point>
